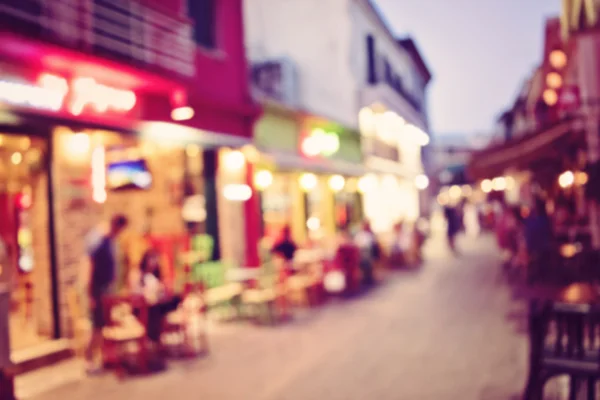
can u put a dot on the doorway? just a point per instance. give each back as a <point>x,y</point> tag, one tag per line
<point>24,212</point>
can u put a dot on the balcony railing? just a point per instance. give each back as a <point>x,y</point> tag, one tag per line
<point>127,31</point>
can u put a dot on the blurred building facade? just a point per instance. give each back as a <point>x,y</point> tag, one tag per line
<point>355,81</point>
<point>551,131</point>
<point>95,101</point>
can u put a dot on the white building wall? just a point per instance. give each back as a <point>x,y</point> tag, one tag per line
<point>366,22</point>
<point>391,200</point>
<point>315,35</point>
<point>327,41</point>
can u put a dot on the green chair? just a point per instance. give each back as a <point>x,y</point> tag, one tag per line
<point>219,293</point>
<point>203,243</point>
<point>211,273</point>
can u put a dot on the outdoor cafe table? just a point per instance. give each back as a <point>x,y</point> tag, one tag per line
<point>243,274</point>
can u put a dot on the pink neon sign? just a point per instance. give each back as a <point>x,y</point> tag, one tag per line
<point>81,95</point>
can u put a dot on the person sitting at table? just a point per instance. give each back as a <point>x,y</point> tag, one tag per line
<point>159,300</point>
<point>285,247</point>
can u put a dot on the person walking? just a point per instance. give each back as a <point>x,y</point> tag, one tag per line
<point>103,261</point>
<point>453,226</point>
<point>538,238</point>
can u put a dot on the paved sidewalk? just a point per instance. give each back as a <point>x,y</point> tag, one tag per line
<point>450,330</point>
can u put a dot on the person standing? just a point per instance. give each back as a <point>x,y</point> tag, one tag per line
<point>103,260</point>
<point>284,250</point>
<point>539,239</point>
<point>369,250</point>
<point>453,226</point>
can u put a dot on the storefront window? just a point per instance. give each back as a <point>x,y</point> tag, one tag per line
<point>194,202</point>
<point>276,203</point>
<point>24,230</point>
<point>314,217</point>
<point>348,210</point>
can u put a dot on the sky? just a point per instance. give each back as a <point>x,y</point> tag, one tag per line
<point>480,52</point>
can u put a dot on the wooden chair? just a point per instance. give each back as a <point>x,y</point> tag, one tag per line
<point>187,325</point>
<point>564,340</point>
<point>304,286</point>
<point>269,297</point>
<point>125,333</point>
<point>81,326</point>
<point>218,293</point>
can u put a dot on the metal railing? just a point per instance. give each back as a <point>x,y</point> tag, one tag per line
<point>128,31</point>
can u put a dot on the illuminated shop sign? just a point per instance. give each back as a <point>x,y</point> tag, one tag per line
<point>22,94</point>
<point>55,93</point>
<point>320,143</point>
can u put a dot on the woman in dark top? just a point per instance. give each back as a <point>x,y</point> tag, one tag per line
<point>160,303</point>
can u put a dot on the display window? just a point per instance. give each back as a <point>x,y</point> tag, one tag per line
<point>25,232</point>
<point>276,205</point>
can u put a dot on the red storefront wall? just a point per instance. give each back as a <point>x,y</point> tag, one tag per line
<point>218,89</point>
<point>221,97</point>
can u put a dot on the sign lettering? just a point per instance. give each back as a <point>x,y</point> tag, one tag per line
<point>55,93</point>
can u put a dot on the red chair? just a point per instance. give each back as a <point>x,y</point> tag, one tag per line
<point>347,259</point>
<point>125,330</point>
<point>170,247</point>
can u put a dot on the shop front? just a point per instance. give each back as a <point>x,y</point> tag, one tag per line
<point>69,159</point>
<point>392,151</point>
<point>307,175</point>
<point>74,152</point>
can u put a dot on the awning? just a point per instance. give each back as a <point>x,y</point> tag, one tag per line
<point>171,133</point>
<point>294,162</point>
<point>519,152</point>
<point>455,174</point>
<point>380,165</point>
